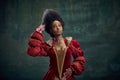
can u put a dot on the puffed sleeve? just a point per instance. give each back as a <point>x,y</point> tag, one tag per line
<point>37,46</point>
<point>78,64</point>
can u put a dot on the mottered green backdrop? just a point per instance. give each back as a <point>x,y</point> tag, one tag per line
<point>94,23</point>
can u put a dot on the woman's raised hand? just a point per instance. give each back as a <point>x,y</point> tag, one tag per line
<point>40,28</point>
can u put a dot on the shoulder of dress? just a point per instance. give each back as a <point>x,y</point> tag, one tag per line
<point>49,42</point>
<point>69,39</point>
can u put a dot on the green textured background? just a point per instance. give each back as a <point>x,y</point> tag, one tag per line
<point>94,23</point>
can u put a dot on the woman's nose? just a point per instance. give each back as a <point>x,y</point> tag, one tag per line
<point>57,26</point>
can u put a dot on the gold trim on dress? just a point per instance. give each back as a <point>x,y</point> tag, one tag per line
<point>49,42</point>
<point>69,39</point>
<point>60,56</point>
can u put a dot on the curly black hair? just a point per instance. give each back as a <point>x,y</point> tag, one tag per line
<point>49,16</point>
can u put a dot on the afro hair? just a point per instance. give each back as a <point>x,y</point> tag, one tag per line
<point>49,16</point>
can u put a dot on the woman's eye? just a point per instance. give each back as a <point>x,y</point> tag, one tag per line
<point>54,26</point>
<point>59,25</point>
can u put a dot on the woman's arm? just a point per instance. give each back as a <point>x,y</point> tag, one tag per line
<point>37,46</point>
<point>78,64</point>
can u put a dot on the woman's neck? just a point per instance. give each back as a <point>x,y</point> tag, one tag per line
<point>58,39</point>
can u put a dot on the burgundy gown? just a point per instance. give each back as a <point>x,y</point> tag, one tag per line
<point>59,60</point>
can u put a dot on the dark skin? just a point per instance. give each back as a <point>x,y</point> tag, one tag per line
<point>57,30</point>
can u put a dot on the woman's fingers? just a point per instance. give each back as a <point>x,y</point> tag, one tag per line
<point>68,72</point>
<point>40,28</point>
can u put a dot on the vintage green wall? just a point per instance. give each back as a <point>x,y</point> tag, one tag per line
<point>94,23</point>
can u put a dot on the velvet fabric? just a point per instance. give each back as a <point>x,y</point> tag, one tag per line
<point>38,47</point>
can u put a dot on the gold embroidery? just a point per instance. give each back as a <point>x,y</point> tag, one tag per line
<point>49,42</point>
<point>69,39</point>
<point>60,56</point>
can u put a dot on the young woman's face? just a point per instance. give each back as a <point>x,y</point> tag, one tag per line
<point>57,28</point>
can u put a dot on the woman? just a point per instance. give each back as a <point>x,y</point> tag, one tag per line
<point>59,49</point>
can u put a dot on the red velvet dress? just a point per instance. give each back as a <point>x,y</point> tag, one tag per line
<point>58,63</point>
